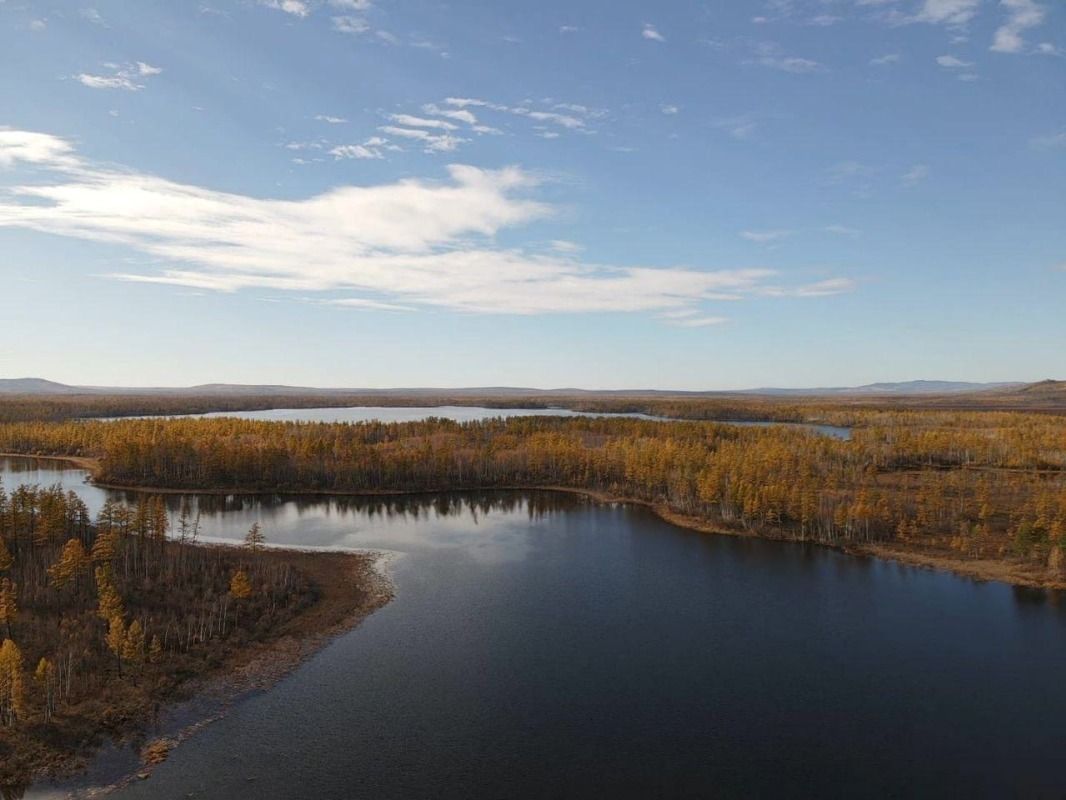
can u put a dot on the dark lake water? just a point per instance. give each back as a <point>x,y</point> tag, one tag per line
<point>462,414</point>
<point>545,646</point>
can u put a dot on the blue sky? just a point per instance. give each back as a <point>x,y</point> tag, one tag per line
<point>599,194</point>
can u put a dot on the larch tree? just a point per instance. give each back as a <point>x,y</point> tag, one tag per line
<point>8,603</point>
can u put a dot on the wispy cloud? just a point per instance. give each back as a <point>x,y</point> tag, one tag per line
<point>412,243</point>
<point>372,148</point>
<point>330,120</point>
<point>769,54</point>
<point>350,24</point>
<point>297,8</point>
<point>432,142</point>
<point>915,175</point>
<point>128,77</point>
<point>947,12</point>
<point>888,58</point>
<point>842,230</point>
<point>649,31</point>
<point>1021,16</point>
<point>1050,141</point>
<point>764,237</point>
<point>951,62</point>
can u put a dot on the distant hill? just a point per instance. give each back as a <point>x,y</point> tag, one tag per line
<point>901,388</point>
<point>40,386</point>
<point>34,386</point>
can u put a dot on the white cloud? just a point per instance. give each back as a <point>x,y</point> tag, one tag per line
<point>433,143</point>
<point>124,77</point>
<point>651,32</point>
<point>948,12</point>
<point>414,242</point>
<point>842,230</point>
<point>93,16</point>
<point>362,151</point>
<point>459,115</point>
<point>364,303</point>
<point>38,25</point>
<point>915,175</point>
<point>297,8</point>
<point>1021,15</point>
<point>951,62</point>
<point>738,127</point>
<point>764,237</point>
<point>420,122</point>
<point>330,120</point>
<point>699,322</point>
<point>349,24</point>
<point>568,29</point>
<point>353,5</point>
<point>668,109</point>
<point>889,58</point>
<point>768,54</point>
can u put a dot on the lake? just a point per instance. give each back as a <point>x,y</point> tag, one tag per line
<point>459,414</point>
<point>543,645</point>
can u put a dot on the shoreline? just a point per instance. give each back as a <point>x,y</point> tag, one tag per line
<point>1012,573</point>
<point>351,586</point>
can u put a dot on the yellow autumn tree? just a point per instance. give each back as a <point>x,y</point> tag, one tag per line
<point>73,560</point>
<point>240,587</point>
<point>6,559</point>
<point>116,638</point>
<point>12,690</point>
<point>133,646</point>
<point>108,599</point>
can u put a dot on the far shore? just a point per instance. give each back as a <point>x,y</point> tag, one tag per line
<point>1014,573</point>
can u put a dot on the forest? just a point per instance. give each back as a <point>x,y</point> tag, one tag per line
<point>970,485</point>
<point>104,620</point>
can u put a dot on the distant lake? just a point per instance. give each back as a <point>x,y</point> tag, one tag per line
<point>543,645</point>
<point>460,414</point>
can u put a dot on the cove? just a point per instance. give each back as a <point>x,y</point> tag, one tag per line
<point>544,645</point>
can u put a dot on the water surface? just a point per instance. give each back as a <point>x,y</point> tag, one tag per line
<point>541,645</point>
<point>462,414</point>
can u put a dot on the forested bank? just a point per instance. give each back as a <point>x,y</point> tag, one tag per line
<point>102,621</point>
<point>57,408</point>
<point>978,485</point>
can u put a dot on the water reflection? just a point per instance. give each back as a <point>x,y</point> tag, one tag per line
<point>544,645</point>
<point>465,414</point>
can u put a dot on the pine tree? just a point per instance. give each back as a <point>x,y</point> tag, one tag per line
<point>254,539</point>
<point>6,559</point>
<point>155,650</point>
<point>8,603</point>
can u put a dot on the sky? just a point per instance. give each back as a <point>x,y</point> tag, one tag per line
<point>593,193</point>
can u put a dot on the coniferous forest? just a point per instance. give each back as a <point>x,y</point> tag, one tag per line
<point>972,484</point>
<point>103,620</point>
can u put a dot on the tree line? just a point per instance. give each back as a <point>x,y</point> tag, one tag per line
<point>984,484</point>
